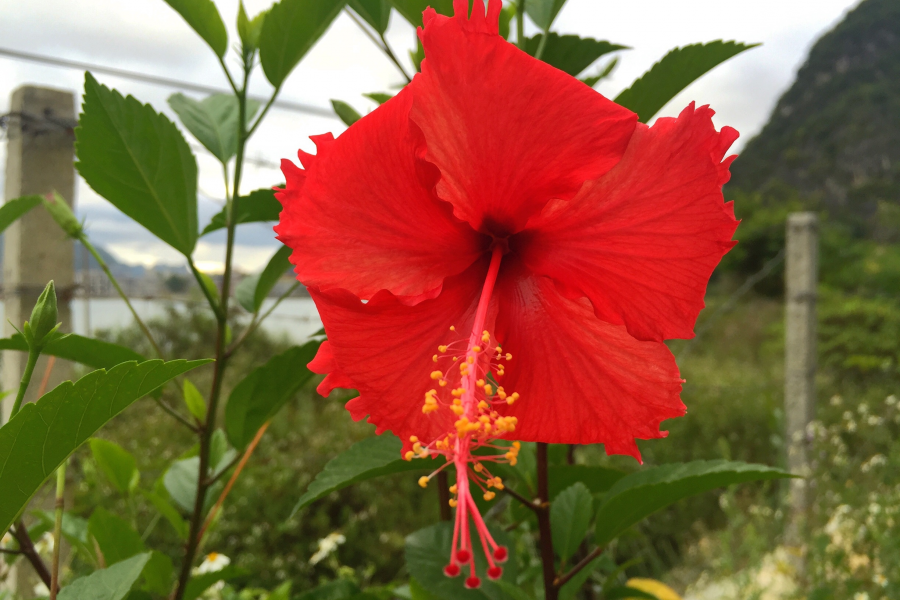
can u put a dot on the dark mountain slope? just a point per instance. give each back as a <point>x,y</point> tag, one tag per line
<point>835,134</point>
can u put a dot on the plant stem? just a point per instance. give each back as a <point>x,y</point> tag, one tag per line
<point>33,356</point>
<point>525,501</point>
<point>213,303</point>
<point>57,527</point>
<point>542,45</point>
<point>256,322</point>
<point>175,414</point>
<point>444,496</point>
<point>382,43</point>
<point>207,428</point>
<point>90,248</point>
<point>520,24</point>
<point>247,454</point>
<point>563,579</point>
<point>26,547</point>
<point>551,591</point>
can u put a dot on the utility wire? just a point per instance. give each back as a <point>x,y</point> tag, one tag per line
<point>163,81</point>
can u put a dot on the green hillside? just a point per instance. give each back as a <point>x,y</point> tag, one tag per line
<point>834,136</point>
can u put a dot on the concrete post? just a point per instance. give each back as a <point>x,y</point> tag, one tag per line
<point>40,159</point>
<point>801,276</point>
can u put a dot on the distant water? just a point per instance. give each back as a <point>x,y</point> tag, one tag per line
<point>295,317</point>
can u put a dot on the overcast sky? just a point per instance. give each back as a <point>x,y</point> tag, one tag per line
<point>149,37</point>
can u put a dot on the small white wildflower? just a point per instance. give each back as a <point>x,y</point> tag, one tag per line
<point>863,408</point>
<point>861,596</point>
<point>6,540</point>
<point>891,400</point>
<point>327,545</point>
<point>848,416</point>
<point>880,579</point>
<point>211,563</point>
<point>877,460</point>
<point>874,420</point>
<point>45,545</point>
<point>836,400</point>
<point>851,426</point>
<point>41,590</point>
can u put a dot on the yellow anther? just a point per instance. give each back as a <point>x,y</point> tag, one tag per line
<point>486,337</point>
<point>488,389</point>
<point>498,483</point>
<point>417,447</point>
<point>476,349</point>
<point>452,502</point>
<point>513,461</point>
<point>442,382</point>
<point>508,356</point>
<point>517,445</point>
<point>423,481</point>
<point>480,382</point>
<point>487,429</point>
<point>434,358</point>
<point>498,349</point>
<point>457,401</point>
<point>452,328</point>
<point>457,392</point>
<point>442,349</point>
<point>470,360</point>
<point>489,495</point>
<point>437,374</point>
<point>478,467</point>
<point>409,455</point>
<point>453,489</point>
<point>483,405</point>
<point>513,398</point>
<point>484,419</point>
<point>413,439</point>
<point>457,410</point>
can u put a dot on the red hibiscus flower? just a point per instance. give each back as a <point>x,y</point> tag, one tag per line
<point>499,252</point>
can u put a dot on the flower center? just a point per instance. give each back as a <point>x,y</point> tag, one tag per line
<point>467,385</point>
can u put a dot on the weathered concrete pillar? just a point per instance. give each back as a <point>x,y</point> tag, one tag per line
<point>801,277</point>
<point>40,159</point>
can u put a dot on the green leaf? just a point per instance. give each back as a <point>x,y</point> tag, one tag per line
<point>194,401</point>
<point>43,434</point>
<point>138,160</point>
<point>220,453</point>
<point>345,112</point>
<point>412,9</point>
<point>376,13</point>
<point>571,53</point>
<point>181,482</point>
<point>117,464</point>
<point>158,573</point>
<point>249,30</point>
<point>204,18</point>
<point>73,347</point>
<point>290,30</point>
<point>112,583</point>
<point>597,479</point>
<point>592,80</point>
<point>640,494</point>
<point>543,12</point>
<point>259,206</point>
<point>571,588</point>
<point>11,210</point>
<point>333,590</point>
<point>282,592</point>
<point>417,592</point>
<point>570,517</point>
<point>114,536</point>
<point>428,552</point>
<point>74,530</point>
<point>207,282</point>
<point>213,120</point>
<point>253,290</point>
<point>169,512</point>
<point>200,583</point>
<point>372,457</point>
<point>677,69</point>
<point>262,393</point>
<point>379,97</point>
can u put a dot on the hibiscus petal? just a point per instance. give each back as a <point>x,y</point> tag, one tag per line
<point>384,349</point>
<point>581,380</point>
<point>642,241</point>
<point>508,132</point>
<point>359,219</point>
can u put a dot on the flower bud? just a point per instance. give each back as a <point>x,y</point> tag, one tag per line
<point>44,317</point>
<point>58,208</point>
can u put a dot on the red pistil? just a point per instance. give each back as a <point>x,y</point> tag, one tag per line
<point>477,424</point>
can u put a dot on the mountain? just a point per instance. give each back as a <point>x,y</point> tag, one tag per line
<point>834,136</point>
